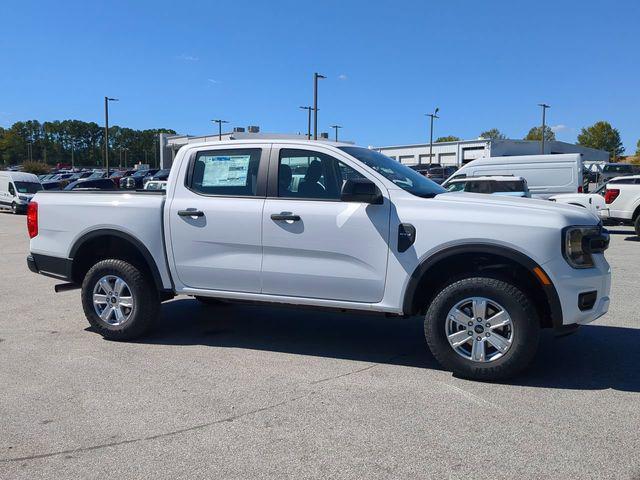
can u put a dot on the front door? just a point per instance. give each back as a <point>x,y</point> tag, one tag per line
<point>314,244</point>
<point>215,218</point>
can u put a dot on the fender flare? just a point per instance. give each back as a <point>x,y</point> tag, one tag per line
<point>514,255</point>
<point>109,232</point>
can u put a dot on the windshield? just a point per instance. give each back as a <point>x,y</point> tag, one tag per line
<point>401,175</point>
<point>97,174</point>
<point>27,187</point>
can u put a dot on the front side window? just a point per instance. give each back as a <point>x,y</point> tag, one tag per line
<point>401,175</point>
<point>509,186</point>
<point>456,186</point>
<point>226,172</point>
<point>312,175</point>
<point>478,187</point>
<point>26,187</point>
<point>11,189</point>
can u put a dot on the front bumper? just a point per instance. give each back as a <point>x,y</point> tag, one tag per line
<point>571,282</point>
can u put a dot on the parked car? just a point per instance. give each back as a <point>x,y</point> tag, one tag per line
<point>53,185</point>
<point>496,185</point>
<point>17,190</point>
<point>155,185</point>
<point>159,175</point>
<point>546,175</point>
<point>91,184</point>
<point>487,275</point>
<point>135,181</point>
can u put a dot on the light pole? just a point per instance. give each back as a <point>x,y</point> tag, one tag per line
<point>336,127</point>
<point>544,111</point>
<point>106,131</point>
<point>316,76</point>
<point>432,116</point>
<point>309,110</point>
<point>219,122</point>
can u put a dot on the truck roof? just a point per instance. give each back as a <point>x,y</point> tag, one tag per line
<point>262,140</point>
<point>560,157</point>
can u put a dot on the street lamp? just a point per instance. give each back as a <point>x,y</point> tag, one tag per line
<point>336,127</point>
<point>432,116</point>
<point>219,122</point>
<point>106,131</point>
<point>309,110</point>
<point>544,110</point>
<point>316,76</point>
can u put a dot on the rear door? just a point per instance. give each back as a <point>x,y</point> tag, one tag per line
<point>315,245</point>
<point>215,218</point>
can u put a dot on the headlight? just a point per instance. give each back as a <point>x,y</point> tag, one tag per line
<point>580,243</point>
<point>26,199</point>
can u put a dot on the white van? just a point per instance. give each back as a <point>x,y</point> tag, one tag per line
<point>546,175</point>
<point>17,189</point>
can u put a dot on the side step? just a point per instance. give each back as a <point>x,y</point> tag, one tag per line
<point>63,287</point>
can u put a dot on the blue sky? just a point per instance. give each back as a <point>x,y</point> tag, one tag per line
<point>178,65</point>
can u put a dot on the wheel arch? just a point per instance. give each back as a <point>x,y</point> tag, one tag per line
<point>110,243</point>
<point>457,261</point>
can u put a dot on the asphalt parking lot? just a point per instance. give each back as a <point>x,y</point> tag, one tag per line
<point>255,392</point>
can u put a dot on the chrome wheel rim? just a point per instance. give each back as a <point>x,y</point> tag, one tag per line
<point>113,300</point>
<point>479,329</point>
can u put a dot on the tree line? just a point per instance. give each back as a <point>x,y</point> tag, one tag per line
<point>77,142</point>
<point>601,135</point>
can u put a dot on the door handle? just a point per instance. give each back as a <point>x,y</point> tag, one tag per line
<point>190,213</point>
<point>285,216</point>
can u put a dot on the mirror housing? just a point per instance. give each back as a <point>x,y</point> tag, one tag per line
<point>361,190</point>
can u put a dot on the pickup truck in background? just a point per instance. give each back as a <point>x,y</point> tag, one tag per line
<point>623,201</point>
<point>330,225</point>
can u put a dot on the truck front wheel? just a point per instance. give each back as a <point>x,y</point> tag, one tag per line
<point>118,299</point>
<point>482,328</point>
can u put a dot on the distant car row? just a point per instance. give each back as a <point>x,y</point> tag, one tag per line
<point>97,179</point>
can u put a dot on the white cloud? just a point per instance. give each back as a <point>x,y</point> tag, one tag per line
<point>188,58</point>
<point>342,76</point>
<point>558,128</point>
<point>212,81</point>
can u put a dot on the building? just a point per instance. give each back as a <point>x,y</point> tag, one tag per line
<point>464,151</point>
<point>170,144</point>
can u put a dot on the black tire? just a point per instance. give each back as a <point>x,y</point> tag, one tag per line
<point>636,225</point>
<point>211,301</point>
<point>526,328</point>
<point>146,306</point>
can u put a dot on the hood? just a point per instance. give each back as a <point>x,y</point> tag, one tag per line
<point>572,215</point>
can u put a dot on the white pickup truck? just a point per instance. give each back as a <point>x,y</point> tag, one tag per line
<point>623,200</point>
<point>319,224</point>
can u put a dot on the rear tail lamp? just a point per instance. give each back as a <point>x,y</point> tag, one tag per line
<point>32,219</point>
<point>580,189</point>
<point>611,195</point>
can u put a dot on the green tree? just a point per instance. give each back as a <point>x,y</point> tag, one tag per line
<point>448,138</point>
<point>535,134</point>
<point>603,136</point>
<point>638,149</point>
<point>493,134</point>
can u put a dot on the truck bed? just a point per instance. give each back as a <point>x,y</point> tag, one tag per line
<point>66,217</point>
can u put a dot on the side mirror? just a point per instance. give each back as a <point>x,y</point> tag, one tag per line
<point>361,190</point>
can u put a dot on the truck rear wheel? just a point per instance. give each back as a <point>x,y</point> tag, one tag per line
<point>119,301</point>
<point>482,328</point>
<point>636,225</point>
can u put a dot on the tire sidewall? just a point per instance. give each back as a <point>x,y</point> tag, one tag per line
<point>141,291</point>
<point>523,316</point>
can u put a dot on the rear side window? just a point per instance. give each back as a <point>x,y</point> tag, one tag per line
<point>618,168</point>
<point>231,172</point>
